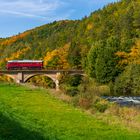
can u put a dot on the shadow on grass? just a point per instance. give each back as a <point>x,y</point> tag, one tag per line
<point>11,130</point>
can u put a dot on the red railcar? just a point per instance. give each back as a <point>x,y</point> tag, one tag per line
<point>24,64</point>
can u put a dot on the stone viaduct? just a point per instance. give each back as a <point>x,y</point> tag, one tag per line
<point>22,76</point>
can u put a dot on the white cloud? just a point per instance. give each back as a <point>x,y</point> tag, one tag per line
<point>31,8</point>
<point>21,14</point>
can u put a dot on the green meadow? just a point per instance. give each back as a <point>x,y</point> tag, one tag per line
<point>34,114</point>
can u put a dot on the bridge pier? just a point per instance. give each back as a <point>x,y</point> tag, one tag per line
<point>57,85</point>
<point>18,81</point>
<point>20,77</point>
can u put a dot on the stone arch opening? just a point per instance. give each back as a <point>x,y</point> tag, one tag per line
<point>69,77</point>
<point>70,82</point>
<point>42,79</point>
<point>76,78</point>
<point>7,77</point>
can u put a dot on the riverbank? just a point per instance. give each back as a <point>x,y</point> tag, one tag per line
<point>32,113</point>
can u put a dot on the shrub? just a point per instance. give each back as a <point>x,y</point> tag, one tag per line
<point>85,103</point>
<point>69,90</point>
<point>101,105</point>
<point>88,88</point>
<point>104,90</point>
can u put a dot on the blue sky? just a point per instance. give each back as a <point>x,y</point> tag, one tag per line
<point>17,16</point>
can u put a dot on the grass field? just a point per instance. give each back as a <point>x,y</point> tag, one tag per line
<point>33,114</point>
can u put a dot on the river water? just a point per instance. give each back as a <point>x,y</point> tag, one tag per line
<point>124,100</point>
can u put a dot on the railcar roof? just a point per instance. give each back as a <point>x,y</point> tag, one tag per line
<point>30,61</point>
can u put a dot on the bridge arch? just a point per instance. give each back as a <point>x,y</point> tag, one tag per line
<point>52,77</point>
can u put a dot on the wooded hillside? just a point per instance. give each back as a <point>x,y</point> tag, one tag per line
<point>103,44</point>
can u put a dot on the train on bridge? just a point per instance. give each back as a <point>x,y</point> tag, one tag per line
<point>24,65</point>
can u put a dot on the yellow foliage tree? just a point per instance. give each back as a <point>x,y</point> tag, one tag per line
<point>61,53</point>
<point>90,26</point>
